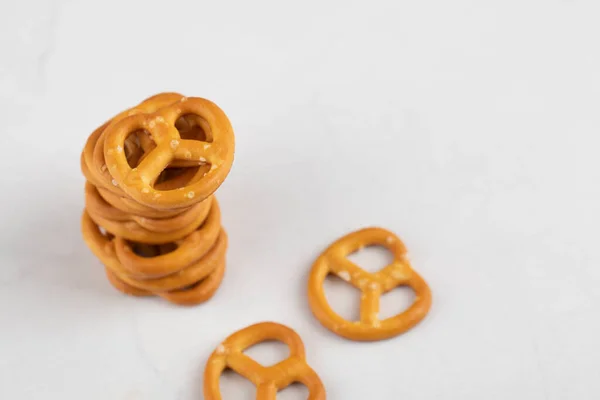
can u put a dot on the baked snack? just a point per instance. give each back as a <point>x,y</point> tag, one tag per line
<point>268,380</point>
<point>372,285</point>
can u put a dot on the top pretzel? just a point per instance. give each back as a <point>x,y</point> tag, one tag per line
<point>157,117</point>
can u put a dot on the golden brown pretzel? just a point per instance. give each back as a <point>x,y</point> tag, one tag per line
<point>139,182</point>
<point>195,294</point>
<point>189,249</point>
<point>198,276</point>
<point>95,170</point>
<point>268,380</point>
<point>93,152</point>
<point>98,206</point>
<point>372,285</point>
<point>135,153</point>
<point>129,206</point>
<point>183,278</point>
<point>131,230</point>
<point>114,196</point>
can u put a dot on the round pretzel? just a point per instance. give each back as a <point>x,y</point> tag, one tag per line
<point>184,278</point>
<point>189,249</point>
<point>268,380</point>
<point>98,206</point>
<point>139,182</point>
<point>109,190</point>
<point>93,153</point>
<point>194,282</point>
<point>131,230</point>
<point>195,294</point>
<point>129,206</point>
<point>114,196</point>
<point>372,285</point>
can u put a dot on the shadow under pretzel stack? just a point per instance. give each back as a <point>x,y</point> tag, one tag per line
<point>151,216</point>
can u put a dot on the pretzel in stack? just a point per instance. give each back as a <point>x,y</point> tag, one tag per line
<point>151,216</point>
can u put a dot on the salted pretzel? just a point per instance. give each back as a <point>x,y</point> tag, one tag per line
<point>268,380</point>
<point>130,206</point>
<point>112,194</point>
<point>134,147</point>
<point>139,182</point>
<point>197,277</point>
<point>131,230</point>
<point>372,285</point>
<point>97,205</point>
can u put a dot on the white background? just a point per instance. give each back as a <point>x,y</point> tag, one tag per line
<point>469,128</point>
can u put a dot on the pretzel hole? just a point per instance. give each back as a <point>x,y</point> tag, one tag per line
<point>134,151</point>
<point>395,301</point>
<point>175,178</point>
<point>296,391</point>
<point>372,258</point>
<point>235,386</point>
<point>343,298</point>
<point>145,250</point>
<point>193,127</point>
<point>268,353</point>
<point>150,250</point>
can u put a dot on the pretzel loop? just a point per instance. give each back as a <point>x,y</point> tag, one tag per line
<point>268,380</point>
<point>372,285</point>
<point>139,182</point>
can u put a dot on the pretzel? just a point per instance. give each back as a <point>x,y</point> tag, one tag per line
<point>175,286</point>
<point>115,196</point>
<point>195,294</point>
<point>139,182</point>
<point>268,380</point>
<point>129,206</point>
<point>133,231</point>
<point>95,171</point>
<point>372,285</point>
<point>93,152</point>
<point>184,278</point>
<point>189,249</point>
<point>98,206</point>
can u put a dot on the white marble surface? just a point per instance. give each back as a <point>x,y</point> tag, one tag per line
<point>470,128</point>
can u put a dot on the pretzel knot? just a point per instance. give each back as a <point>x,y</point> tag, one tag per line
<point>268,380</point>
<point>372,285</point>
<point>166,146</point>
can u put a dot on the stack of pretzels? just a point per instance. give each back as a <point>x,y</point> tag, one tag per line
<point>151,216</point>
